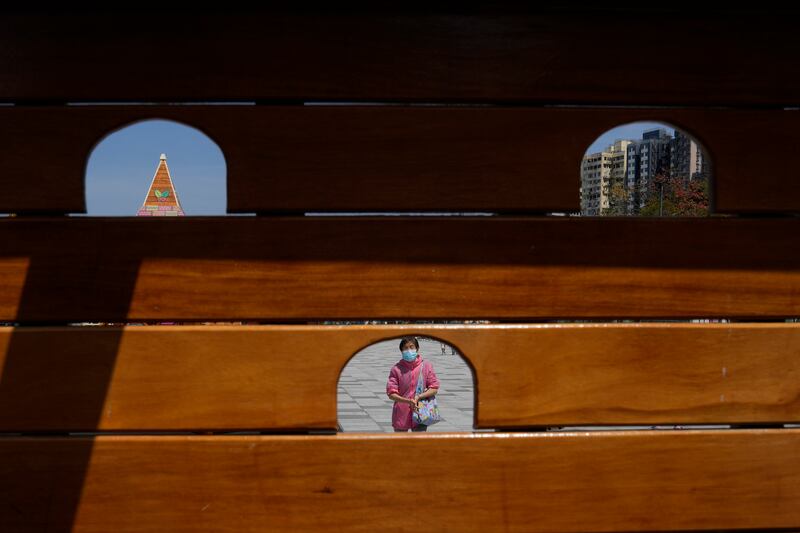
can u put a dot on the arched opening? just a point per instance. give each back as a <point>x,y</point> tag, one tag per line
<point>363,404</point>
<point>646,169</point>
<point>156,167</point>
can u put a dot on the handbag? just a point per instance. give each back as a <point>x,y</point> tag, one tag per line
<point>428,413</point>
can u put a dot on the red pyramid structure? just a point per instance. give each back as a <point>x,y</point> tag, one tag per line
<point>161,199</point>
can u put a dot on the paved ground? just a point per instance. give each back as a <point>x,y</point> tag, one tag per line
<point>364,406</point>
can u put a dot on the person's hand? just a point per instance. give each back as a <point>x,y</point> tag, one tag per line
<point>413,403</point>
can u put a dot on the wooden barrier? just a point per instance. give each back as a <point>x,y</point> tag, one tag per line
<point>290,159</point>
<point>573,482</point>
<point>571,54</point>
<point>295,268</point>
<point>162,378</point>
<point>476,110</point>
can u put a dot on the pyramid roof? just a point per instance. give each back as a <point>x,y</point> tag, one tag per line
<point>161,199</point>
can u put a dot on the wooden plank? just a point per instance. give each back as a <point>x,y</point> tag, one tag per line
<point>228,378</point>
<point>384,158</point>
<point>557,55</point>
<point>297,269</point>
<point>626,481</point>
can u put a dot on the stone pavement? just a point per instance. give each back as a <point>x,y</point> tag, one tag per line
<point>362,402</point>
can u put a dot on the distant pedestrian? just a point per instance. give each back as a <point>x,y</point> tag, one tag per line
<point>402,384</point>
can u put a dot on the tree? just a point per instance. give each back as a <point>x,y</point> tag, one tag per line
<point>676,197</point>
<point>618,196</point>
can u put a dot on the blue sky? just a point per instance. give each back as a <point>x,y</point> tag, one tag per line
<point>121,166</point>
<point>632,131</point>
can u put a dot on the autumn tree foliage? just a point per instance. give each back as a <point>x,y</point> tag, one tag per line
<point>676,197</point>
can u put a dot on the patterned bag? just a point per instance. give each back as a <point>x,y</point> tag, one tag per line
<point>428,413</point>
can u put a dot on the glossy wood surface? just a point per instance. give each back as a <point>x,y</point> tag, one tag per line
<point>318,268</point>
<point>626,481</point>
<point>214,378</point>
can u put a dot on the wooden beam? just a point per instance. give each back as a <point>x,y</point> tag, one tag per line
<point>363,268</point>
<point>226,378</point>
<point>620,481</point>
<point>664,56</point>
<point>294,159</point>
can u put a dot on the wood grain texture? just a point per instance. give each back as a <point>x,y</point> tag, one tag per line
<point>627,481</point>
<point>297,269</point>
<point>601,55</point>
<point>285,377</point>
<point>385,158</point>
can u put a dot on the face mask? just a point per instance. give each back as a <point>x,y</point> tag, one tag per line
<point>409,355</point>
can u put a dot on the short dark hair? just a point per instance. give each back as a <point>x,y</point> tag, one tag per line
<point>409,340</point>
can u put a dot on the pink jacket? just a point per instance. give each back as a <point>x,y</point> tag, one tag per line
<point>403,381</point>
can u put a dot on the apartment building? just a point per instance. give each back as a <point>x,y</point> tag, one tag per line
<point>645,159</point>
<point>599,171</point>
<point>687,159</point>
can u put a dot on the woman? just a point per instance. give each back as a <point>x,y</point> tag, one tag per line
<point>402,384</point>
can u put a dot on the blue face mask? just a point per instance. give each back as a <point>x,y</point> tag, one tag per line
<point>409,355</point>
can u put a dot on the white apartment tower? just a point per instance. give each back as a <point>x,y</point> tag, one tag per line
<point>599,171</point>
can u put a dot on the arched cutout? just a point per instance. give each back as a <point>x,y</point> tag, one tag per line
<point>121,167</point>
<point>646,169</point>
<point>362,401</point>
